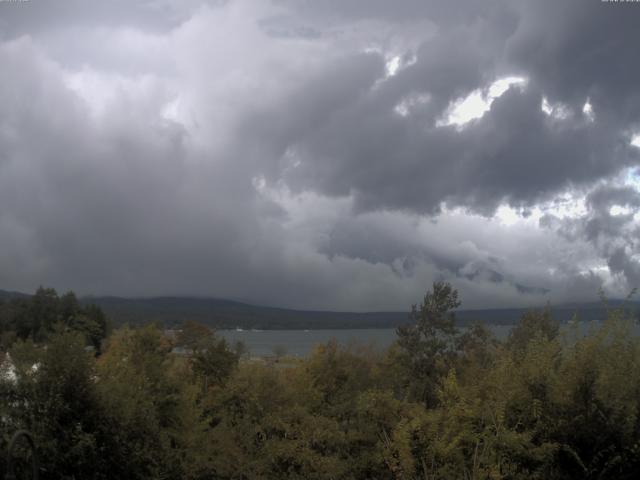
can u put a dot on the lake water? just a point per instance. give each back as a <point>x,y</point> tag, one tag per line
<point>301,342</point>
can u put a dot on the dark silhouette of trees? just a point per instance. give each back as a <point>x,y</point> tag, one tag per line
<point>428,344</point>
<point>37,316</point>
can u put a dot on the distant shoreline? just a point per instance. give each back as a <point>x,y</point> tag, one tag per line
<point>223,314</point>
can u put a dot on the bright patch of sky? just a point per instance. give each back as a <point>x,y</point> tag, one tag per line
<point>620,210</point>
<point>557,110</point>
<point>404,107</point>
<point>478,102</point>
<point>632,178</point>
<point>507,215</point>
<point>173,111</point>
<point>99,89</point>
<point>393,65</point>
<point>587,109</point>
<point>92,88</point>
<point>567,206</point>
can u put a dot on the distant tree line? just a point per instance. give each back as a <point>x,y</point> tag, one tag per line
<point>440,403</point>
<point>37,316</point>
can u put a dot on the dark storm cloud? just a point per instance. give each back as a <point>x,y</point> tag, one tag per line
<point>515,153</point>
<point>571,53</point>
<point>37,16</point>
<point>112,198</point>
<point>378,241</point>
<point>125,203</point>
<point>615,235</point>
<point>601,201</point>
<point>580,49</point>
<point>268,151</point>
<point>434,10</point>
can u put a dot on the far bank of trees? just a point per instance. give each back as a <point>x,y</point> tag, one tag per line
<point>37,316</point>
<point>441,403</point>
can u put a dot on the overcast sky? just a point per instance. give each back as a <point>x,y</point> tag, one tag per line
<point>335,154</point>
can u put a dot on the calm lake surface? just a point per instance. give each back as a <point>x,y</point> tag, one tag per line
<point>301,342</point>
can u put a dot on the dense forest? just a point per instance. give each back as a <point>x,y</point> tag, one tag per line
<point>443,402</point>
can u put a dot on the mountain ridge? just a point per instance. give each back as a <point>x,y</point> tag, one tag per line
<point>171,310</point>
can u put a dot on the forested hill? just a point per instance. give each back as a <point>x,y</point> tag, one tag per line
<point>223,314</point>
<point>8,295</point>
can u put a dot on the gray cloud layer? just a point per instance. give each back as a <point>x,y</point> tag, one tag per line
<point>297,153</point>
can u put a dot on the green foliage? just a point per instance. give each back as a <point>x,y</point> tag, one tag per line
<point>149,405</point>
<point>427,346</point>
<point>533,324</point>
<point>442,403</point>
<point>38,316</point>
<point>54,398</point>
<point>215,362</point>
<point>212,360</point>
